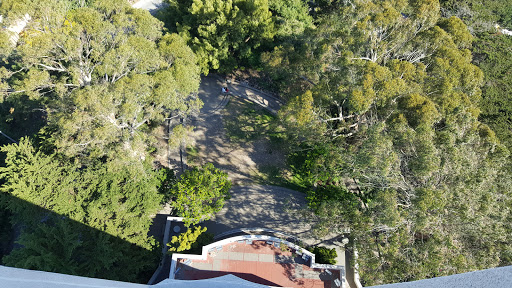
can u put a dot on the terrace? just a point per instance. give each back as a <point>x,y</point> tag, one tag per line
<point>263,260</point>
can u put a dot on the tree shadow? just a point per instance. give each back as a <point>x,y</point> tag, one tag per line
<point>19,117</point>
<point>39,239</point>
<point>190,273</point>
<point>263,207</point>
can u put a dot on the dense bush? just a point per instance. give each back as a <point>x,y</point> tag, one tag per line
<point>325,255</point>
<point>200,193</point>
<point>190,241</point>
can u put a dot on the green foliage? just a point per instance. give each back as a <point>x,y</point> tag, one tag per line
<point>190,241</point>
<point>6,228</point>
<point>291,17</point>
<point>185,240</point>
<point>300,118</point>
<point>114,199</point>
<point>494,56</point>
<point>458,31</point>
<point>53,248</point>
<point>200,193</point>
<point>325,255</point>
<point>329,192</point>
<point>103,73</point>
<point>220,32</point>
<point>310,165</point>
<point>245,121</point>
<point>60,245</point>
<point>399,99</point>
<point>480,16</point>
<point>20,116</point>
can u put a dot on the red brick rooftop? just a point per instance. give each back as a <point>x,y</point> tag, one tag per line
<point>258,262</point>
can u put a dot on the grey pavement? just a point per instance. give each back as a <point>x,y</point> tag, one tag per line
<point>240,161</point>
<point>265,207</point>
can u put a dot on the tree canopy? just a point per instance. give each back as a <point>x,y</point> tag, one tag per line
<point>88,81</point>
<point>393,116</point>
<point>397,120</point>
<point>229,34</point>
<point>103,73</point>
<point>220,31</point>
<point>107,199</point>
<point>200,193</point>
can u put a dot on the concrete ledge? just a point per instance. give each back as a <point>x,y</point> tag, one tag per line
<point>356,272</point>
<point>172,218</point>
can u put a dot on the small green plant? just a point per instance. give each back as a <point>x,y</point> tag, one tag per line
<point>191,241</point>
<point>184,241</point>
<point>325,255</point>
<point>192,155</point>
<point>284,247</point>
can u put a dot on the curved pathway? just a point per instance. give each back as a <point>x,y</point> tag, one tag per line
<point>252,205</point>
<point>261,206</point>
<point>209,137</point>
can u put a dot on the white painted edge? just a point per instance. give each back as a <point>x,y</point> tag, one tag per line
<point>172,218</point>
<point>205,251</point>
<point>356,272</point>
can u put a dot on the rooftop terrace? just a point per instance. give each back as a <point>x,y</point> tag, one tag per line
<point>260,262</point>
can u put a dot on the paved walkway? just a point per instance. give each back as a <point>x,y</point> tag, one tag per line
<point>242,161</point>
<point>258,262</point>
<point>262,206</point>
<point>243,90</point>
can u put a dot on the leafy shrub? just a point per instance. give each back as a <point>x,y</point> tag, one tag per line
<point>190,241</point>
<point>307,165</point>
<point>325,255</point>
<point>200,193</point>
<point>324,193</point>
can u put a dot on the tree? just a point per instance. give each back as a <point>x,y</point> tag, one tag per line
<point>48,248</point>
<point>480,16</point>
<point>494,57</point>
<point>398,97</point>
<point>192,240</point>
<point>61,245</point>
<point>291,17</point>
<point>200,193</point>
<point>220,32</point>
<point>104,74</point>
<point>325,255</point>
<point>106,198</point>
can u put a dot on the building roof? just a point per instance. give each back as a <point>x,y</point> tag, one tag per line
<point>260,262</point>
<point>22,278</point>
<point>496,278</point>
